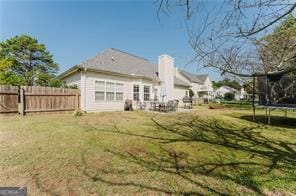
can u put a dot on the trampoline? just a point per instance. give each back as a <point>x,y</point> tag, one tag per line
<point>274,91</point>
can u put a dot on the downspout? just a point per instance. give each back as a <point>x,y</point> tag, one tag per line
<point>82,107</point>
<point>85,69</point>
<point>83,88</point>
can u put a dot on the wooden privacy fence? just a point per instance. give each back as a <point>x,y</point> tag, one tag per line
<point>8,99</point>
<point>30,99</point>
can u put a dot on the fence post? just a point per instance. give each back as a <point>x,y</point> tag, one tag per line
<point>22,102</point>
<point>77,99</point>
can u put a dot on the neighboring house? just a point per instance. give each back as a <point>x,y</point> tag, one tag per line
<point>200,84</point>
<point>111,77</point>
<point>244,94</point>
<point>221,91</point>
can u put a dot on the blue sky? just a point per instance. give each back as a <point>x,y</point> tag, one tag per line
<point>74,31</point>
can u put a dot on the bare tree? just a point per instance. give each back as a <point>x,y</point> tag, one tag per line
<point>227,37</point>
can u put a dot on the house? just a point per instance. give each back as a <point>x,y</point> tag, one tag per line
<point>200,84</point>
<point>221,91</point>
<point>108,79</point>
<point>244,94</point>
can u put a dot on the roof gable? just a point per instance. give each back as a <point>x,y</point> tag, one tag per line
<point>115,60</point>
<point>193,77</point>
<point>180,82</point>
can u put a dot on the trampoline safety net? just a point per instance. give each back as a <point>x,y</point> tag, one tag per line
<point>277,90</point>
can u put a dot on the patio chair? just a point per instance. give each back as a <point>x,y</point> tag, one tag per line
<point>170,106</point>
<point>152,106</point>
<point>157,107</point>
<point>162,107</point>
<point>187,102</point>
<point>141,105</point>
<point>175,106</point>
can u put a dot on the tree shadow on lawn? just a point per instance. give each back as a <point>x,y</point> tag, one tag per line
<point>152,163</point>
<point>261,155</point>
<point>278,121</point>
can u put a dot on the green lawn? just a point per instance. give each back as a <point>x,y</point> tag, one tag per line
<point>132,153</point>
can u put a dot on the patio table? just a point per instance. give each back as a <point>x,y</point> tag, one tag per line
<point>158,106</point>
<point>162,107</point>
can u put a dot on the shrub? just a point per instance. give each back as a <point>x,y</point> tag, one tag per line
<point>78,113</point>
<point>229,96</point>
<point>216,106</point>
<point>191,93</point>
<point>73,86</point>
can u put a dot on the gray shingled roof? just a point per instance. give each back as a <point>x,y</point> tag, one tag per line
<point>117,61</point>
<point>194,78</point>
<point>179,82</point>
<point>114,60</point>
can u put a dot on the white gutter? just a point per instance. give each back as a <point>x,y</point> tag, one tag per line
<point>85,69</point>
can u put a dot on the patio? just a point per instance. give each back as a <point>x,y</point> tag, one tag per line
<point>165,107</point>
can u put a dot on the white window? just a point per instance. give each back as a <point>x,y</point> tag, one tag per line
<point>99,91</point>
<point>146,93</point>
<point>110,87</point>
<point>109,96</point>
<point>100,96</point>
<point>119,92</point>
<point>119,87</point>
<point>119,96</point>
<point>136,92</point>
<point>108,91</point>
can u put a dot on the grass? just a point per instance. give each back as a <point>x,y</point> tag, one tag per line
<point>200,152</point>
<point>238,104</point>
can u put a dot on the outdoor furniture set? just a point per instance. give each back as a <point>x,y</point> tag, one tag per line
<point>170,106</point>
<point>155,105</point>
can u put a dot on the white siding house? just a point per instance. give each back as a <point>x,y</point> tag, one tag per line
<point>113,76</point>
<point>221,91</point>
<point>201,85</point>
<point>73,80</point>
